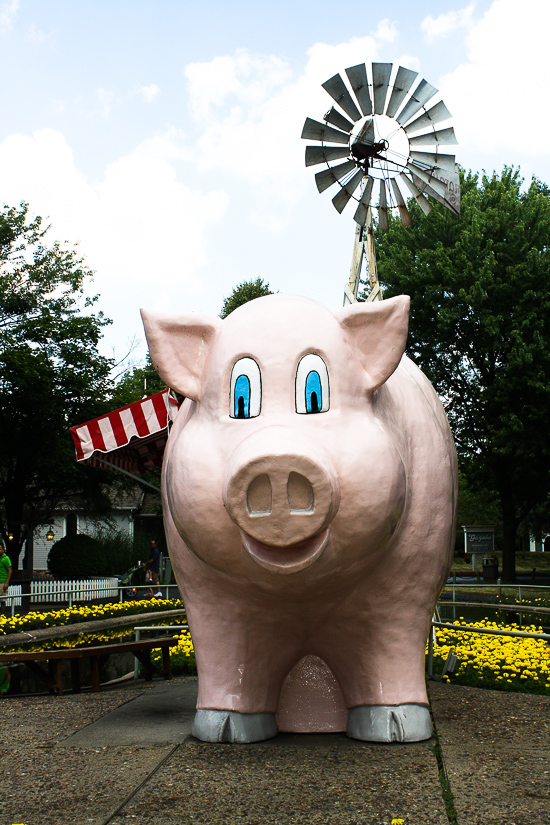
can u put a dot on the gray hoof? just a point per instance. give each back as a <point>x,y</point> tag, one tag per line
<point>389,723</point>
<point>231,726</point>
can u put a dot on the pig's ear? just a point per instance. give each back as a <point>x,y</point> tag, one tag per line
<point>377,331</point>
<point>179,346</point>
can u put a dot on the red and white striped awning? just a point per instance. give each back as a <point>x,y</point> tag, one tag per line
<point>134,436</point>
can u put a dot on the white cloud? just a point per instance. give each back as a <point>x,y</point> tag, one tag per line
<point>139,226</point>
<point>245,79</point>
<point>386,31</point>
<point>8,15</point>
<point>149,93</point>
<point>36,35</point>
<point>106,99</point>
<point>499,112</point>
<point>436,28</point>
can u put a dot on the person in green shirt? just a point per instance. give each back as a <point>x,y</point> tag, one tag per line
<point>5,576</point>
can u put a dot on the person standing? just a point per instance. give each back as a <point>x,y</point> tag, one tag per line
<point>5,576</point>
<point>153,562</point>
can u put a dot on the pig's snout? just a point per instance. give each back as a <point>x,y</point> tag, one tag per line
<point>281,498</point>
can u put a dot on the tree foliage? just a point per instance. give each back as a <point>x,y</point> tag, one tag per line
<point>480,327</point>
<point>137,382</point>
<point>51,377</point>
<point>243,293</point>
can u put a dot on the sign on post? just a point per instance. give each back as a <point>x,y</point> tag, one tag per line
<point>479,542</point>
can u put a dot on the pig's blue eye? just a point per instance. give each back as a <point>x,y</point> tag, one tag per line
<point>245,393</point>
<point>312,386</point>
<point>242,397</point>
<point>314,393</point>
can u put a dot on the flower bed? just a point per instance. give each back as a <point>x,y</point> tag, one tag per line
<point>496,662</point>
<point>84,613</point>
<point>182,656</point>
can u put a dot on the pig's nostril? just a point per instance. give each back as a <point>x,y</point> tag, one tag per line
<point>300,494</point>
<point>258,496</point>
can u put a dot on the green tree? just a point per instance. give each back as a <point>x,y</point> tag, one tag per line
<point>51,377</point>
<point>137,382</point>
<point>243,293</point>
<point>480,327</point>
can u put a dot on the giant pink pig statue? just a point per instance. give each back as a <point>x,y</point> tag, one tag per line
<point>309,490</point>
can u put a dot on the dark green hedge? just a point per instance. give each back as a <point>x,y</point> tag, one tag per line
<point>77,557</point>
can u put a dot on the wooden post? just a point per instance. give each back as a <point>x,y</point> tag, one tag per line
<point>352,287</point>
<point>363,245</point>
<point>375,293</point>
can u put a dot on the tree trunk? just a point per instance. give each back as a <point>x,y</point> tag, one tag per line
<point>509,528</point>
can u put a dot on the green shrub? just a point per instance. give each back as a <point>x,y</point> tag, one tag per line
<point>77,557</point>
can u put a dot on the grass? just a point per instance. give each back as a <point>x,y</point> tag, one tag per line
<point>446,791</point>
<point>525,562</point>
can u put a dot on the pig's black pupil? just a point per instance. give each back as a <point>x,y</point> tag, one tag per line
<point>240,407</point>
<point>314,403</point>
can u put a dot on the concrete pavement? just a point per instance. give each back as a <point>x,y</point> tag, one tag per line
<point>126,755</point>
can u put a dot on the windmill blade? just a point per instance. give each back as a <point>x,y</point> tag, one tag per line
<point>360,216</point>
<point>449,178</point>
<point>428,190</point>
<point>381,73</point>
<point>341,199</point>
<point>313,130</point>
<point>337,89</point>
<point>423,92</point>
<point>338,120</point>
<point>436,114</point>
<point>404,214</point>
<point>435,159</point>
<point>324,154</point>
<point>357,76</point>
<point>403,82</point>
<point>366,135</point>
<point>452,184</point>
<point>383,207</point>
<point>435,193</point>
<point>443,136</point>
<point>429,178</point>
<point>423,202</point>
<point>329,176</point>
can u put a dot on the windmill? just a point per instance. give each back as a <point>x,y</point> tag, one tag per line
<point>383,141</point>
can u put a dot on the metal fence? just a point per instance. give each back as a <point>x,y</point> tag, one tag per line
<point>498,587</point>
<point>62,591</point>
<point>45,592</point>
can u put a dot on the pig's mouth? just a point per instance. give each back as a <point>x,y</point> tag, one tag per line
<point>288,559</point>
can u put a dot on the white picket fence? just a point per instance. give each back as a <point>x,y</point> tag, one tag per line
<point>66,591</point>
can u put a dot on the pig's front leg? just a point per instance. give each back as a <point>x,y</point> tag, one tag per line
<point>240,676</point>
<point>232,726</point>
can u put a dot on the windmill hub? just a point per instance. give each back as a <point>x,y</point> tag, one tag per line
<point>384,132</point>
<point>363,150</point>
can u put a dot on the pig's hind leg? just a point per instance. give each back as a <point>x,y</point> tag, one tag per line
<point>389,723</point>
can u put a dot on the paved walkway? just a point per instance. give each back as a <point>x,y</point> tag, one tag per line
<point>125,755</point>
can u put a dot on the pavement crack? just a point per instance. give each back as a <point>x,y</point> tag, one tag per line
<point>140,786</point>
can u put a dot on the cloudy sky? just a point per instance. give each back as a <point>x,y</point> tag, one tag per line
<point>164,136</point>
